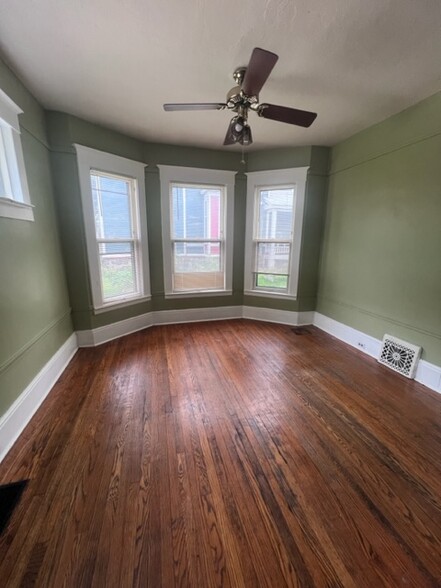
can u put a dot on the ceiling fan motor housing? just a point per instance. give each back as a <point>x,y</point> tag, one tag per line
<point>236,99</point>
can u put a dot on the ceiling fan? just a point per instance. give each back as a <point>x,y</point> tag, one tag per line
<point>245,97</point>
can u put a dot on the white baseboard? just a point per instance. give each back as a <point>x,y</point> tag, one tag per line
<point>427,373</point>
<point>194,315</point>
<point>284,317</point>
<point>20,413</point>
<point>94,337</point>
<point>357,339</point>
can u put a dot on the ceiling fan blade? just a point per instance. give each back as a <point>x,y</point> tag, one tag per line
<point>258,70</point>
<point>195,106</point>
<point>292,116</point>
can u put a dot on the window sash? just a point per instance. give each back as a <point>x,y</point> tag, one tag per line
<point>293,179</point>
<point>257,240</point>
<point>198,279</point>
<point>258,271</point>
<point>193,281</point>
<point>134,242</point>
<point>4,168</point>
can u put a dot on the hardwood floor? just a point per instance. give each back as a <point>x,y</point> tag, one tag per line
<point>232,453</point>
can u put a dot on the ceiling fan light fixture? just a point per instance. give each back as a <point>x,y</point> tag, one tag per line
<point>247,137</point>
<point>238,124</point>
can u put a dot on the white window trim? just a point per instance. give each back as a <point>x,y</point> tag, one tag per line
<point>18,206</point>
<point>92,159</point>
<point>275,178</point>
<point>193,175</point>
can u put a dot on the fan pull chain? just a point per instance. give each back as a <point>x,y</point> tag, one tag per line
<point>243,156</point>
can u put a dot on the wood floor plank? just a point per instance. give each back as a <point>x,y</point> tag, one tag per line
<point>227,454</point>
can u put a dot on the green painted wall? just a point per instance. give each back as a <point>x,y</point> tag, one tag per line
<point>65,130</point>
<point>381,261</point>
<point>34,306</point>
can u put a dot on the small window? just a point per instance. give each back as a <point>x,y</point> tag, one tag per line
<point>197,223</point>
<point>275,201</point>
<point>116,231</point>
<point>14,194</point>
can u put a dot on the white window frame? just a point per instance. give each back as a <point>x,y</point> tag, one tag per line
<point>90,160</point>
<point>16,202</point>
<point>172,174</point>
<point>274,179</point>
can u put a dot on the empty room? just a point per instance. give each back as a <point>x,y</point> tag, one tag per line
<point>220,294</point>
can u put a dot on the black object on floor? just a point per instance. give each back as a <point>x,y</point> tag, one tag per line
<point>9,496</point>
<point>301,330</point>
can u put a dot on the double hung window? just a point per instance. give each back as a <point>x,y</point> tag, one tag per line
<point>115,221</point>
<point>197,223</point>
<point>275,201</point>
<point>197,237</point>
<point>272,243</point>
<point>14,194</point>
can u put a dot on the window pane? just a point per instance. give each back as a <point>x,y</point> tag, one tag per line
<point>198,266</point>
<point>111,205</point>
<point>5,190</point>
<point>271,281</point>
<point>118,269</point>
<point>275,213</point>
<point>196,212</point>
<point>272,258</point>
<point>2,184</point>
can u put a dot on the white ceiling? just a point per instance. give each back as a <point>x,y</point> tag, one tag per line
<point>115,62</point>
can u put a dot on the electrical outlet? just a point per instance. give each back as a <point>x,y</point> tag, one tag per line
<point>361,345</point>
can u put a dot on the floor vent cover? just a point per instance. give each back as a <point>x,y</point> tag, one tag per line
<point>399,355</point>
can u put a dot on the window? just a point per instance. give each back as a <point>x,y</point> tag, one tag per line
<point>112,190</point>
<point>275,201</point>
<point>197,219</point>
<point>14,194</point>
<point>273,240</point>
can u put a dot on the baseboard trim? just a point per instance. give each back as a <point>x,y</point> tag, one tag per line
<point>284,317</point>
<point>94,337</point>
<point>100,335</point>
<point>427,373</point>
<point>194,315</point>
<point>23,409</point>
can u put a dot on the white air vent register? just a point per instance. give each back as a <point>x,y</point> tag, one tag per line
<point>399,355</point>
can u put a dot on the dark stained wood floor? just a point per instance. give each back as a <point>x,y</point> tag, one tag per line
<point>231,453</point>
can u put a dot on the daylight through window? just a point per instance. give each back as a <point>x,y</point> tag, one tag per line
<point>14,193</point>
<point>115,222</point>
<point>197,236</point>
<point>117,234</point>
<point>273,238</point>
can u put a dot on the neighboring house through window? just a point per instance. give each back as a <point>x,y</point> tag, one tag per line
<point>14,194</point>
<point>197,221</point>
<point>275,201</point>
<point>113,197</point>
